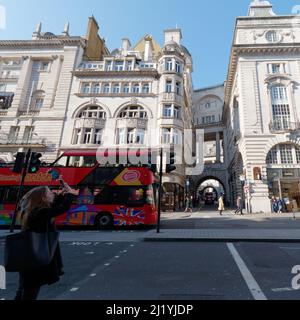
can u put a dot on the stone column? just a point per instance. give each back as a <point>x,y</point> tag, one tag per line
<point>218,147</point>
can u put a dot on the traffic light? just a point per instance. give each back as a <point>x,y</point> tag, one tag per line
<point>152,159</point>
<point>19,163</point>
<point>35,162</point>
<point>170,167</point>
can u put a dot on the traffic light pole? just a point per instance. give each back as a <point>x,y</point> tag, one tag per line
<point>20,191</point>
<point>160,190</point>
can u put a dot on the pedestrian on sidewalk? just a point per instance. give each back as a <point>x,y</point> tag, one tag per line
<point>274,205</point>
<point>38,210</point>
<point>279,205</point>
<point>239,204</point>
<point>188,205</point>
<point>221,205</point>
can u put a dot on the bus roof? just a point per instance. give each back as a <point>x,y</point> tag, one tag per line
<point>93,153</point>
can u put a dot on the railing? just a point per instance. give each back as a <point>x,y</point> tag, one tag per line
<point>9,141</point>
<point>172,97</point>
<point>29,113</point>
<point>91,66</point>
<point>284,126</point>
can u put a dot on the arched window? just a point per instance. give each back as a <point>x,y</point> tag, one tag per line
<point>89,133</point>
<point>116,88</point>
<point>106,88</point>
<point>135,133</point>
<point>136,88</point>
<point>280,108</point>
<point>96,88</point>
<point>92,112</point>
<point>85,88</point>
<point>136,112</point>
<point>126,88</point>
<point>287,154</point>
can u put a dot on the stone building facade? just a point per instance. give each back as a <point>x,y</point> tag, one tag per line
<point>262,108</point>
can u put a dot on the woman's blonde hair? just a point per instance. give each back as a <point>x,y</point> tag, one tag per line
<point>34,199</point>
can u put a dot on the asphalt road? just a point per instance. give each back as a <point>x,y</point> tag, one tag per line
<point>137,270</point>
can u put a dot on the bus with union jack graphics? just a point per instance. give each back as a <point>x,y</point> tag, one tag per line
<point>108,195</point>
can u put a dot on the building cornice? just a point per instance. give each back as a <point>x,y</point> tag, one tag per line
<point>113,74</point>
<point>56,43</point>
<point>238,50</point>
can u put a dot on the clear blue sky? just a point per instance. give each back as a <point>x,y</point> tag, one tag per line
<point>207,26</point>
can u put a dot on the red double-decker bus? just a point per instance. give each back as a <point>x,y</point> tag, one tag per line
<point>109,195</point>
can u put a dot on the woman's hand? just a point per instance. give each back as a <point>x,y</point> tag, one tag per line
<point>66,188</point>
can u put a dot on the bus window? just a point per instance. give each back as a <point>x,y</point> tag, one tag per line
<point>89,161</point>
<point>101,196</point>
<point>75,161</point>
<point>62,162</point>
<point>2,194</point>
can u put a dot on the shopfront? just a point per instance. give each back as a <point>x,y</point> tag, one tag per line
<point>285,184</point>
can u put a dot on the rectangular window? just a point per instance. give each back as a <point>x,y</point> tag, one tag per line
<point>286,153</point>
<point>13,134</point>
<point>126,88</point>
<point>298,155</point>
<point>108,65</point>
<point>178,67</point>
<point>167,111</point>
<point>169,64</point>
<point>77,136</point>
<point>177,137</point>
<point>166,135</point>
<point>2,87</point>
<point>281,117</point>
<point>129,65</point>
<point>276,68</point>
<point>44,66</point>
<point>98,136</point>
<point>28,134</point>
<point>121,136</point>
<point>119,65</point>
<point>279,93</point>
<point>140,136</point>
<point>85,88</point>
<point>168,86</point>
<point>116,88</point>
<point>87,139</point>
<point>130,136</point>
<point>39,102</point>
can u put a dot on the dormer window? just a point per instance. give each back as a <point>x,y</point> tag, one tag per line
<point>108,65</point>
<point>119,66</point>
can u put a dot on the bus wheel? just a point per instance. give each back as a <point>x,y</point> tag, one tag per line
<point>104,221</point>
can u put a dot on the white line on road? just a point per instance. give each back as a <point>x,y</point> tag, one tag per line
<point>93,275</point>
<point>249,279</point>
<point>107,264</point>
<point>117,257</point>
<point>282,289</point>
<point>289,248</point>
<point>74,289</point>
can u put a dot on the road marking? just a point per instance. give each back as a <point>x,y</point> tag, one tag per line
<point>253,286</point>
<point>124,251</point>
<point>93,275</point>
<point>132,245</point>
<point>90,253</point>
<point>74,289</point>
<point>282,289</point>
<point>117,257</point>
<point>109,244</point>
<point>107,264</point>
<point>289,248</point>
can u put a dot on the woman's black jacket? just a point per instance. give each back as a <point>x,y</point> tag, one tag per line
<point>40,221</point>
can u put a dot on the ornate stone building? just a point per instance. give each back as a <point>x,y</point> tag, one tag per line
<point>35,86</point>
<point>138,96</point>
<point>262,108</point>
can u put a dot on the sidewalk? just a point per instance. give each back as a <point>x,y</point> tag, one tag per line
<point>228,235</point>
